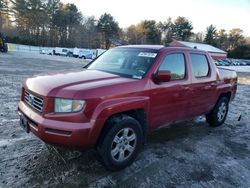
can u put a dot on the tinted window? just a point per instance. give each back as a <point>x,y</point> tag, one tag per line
<point>199,65</point>
<point>174,63</point>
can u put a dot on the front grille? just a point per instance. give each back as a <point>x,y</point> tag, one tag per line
<point>34,101</point>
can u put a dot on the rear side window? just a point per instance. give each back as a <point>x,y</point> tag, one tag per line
<point>175,63</point>
<point>199,65</point>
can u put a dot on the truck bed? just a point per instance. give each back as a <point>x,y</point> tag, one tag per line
<point>227,75</point>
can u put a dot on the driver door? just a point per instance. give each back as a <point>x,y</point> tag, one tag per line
<point>170,100</point>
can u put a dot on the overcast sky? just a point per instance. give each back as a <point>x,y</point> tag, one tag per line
<point>225,14</point>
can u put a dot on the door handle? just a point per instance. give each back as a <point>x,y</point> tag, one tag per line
<point>207,87</point>
<point>185,88</point>
<point>212,84</point>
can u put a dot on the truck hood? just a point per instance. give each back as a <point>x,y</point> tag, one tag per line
<point>66,84</point>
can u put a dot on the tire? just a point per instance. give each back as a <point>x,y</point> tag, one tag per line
<point>120,143</point>
<point>219,114</point>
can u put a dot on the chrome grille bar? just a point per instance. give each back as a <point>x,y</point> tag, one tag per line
<point>34,101</point>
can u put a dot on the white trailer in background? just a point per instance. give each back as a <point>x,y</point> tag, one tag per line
<point>61,51</point>
<point>87,53</point>
<point>46,51</point>
<point>76,52</point>
<point>84,53</point>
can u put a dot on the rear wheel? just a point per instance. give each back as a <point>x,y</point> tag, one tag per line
<point>218,115</point>
<point>120,144</point>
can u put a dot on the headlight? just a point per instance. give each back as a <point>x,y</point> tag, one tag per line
<point>68,105</point>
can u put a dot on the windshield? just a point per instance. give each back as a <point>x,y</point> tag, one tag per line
<point>125,62</point>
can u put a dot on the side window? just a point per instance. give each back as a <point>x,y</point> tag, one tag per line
<point>199,65</point>
<point>175,63</point>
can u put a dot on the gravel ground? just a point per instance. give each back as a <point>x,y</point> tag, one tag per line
<point>188,154</point>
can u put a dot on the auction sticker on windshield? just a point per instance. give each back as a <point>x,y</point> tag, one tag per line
<point>147,54</point>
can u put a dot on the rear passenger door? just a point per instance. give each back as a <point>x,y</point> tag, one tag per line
<point>203,84</point>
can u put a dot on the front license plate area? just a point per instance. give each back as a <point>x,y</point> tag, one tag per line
<point>24,123</point>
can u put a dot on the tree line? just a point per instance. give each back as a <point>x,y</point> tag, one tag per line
<point>233,41</point>
<point>53,23</point>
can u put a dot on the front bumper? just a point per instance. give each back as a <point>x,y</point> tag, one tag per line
<point>59,133</point>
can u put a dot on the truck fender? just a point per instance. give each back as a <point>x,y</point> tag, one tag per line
<point>225,88</point>
<point>111,107</point>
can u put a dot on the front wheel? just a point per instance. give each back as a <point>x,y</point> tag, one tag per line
<point>218,115</point>
<point>121,143</point>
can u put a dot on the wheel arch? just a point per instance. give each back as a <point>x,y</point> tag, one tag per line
<point>225,94</point>
<point>135,107</point>
<point>212,117</point>
<point>138,114</point>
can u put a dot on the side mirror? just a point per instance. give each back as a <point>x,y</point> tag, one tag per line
<point>162,76</point>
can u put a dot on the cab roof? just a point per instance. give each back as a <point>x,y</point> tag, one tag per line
<point>153,47</point>
<point>161,47</point>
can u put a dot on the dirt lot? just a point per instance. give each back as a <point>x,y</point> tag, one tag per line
<point>189,154</point>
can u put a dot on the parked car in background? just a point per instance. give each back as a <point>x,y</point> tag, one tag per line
<point>86,54</point>
<point>76,52</point>
<point>235,63</point>
<point>61,51</point>
<point>224,63</point>
<point>247,62</point>
<point>43,52</point>
<point>46,51</point>
<point>50,52</point>
<point>243,63</point>
<point>217,62</point>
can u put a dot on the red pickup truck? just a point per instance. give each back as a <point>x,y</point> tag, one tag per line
<point>122,95</point>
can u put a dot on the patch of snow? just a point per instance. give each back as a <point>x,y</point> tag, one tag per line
<point>7,142</point>
<point>238,68</point>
